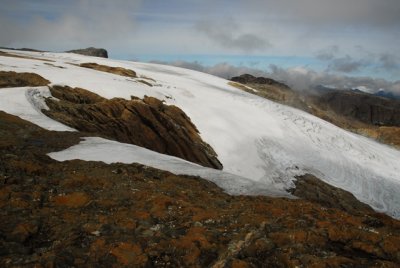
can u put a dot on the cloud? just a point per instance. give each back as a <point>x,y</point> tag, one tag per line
<point>227,34</point>
<point>328,53</point>
<point>299,78</point>
<point>302,78</point>
<point>389,61</point>
<point>343,64</point>
<point>346,64</point>
<point>327,13</point>
<point>66,24</point>
<point>133,28</point>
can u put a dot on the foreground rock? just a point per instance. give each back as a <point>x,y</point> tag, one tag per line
<point>148,123</point>
<point>91,51</point>
<point>89,214</point>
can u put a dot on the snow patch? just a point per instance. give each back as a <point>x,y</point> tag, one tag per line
<point>27,103</point>
<point>107,151</point>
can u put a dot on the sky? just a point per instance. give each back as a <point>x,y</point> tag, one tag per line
<point>300,41</point>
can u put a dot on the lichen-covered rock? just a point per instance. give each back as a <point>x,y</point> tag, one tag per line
<point>313,189</point>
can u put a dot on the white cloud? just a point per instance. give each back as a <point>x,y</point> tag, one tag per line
<point>77,23</point>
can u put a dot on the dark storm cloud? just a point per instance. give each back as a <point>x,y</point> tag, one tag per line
<point>227,34</point>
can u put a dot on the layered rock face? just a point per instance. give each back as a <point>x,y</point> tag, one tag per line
<point>144,122</point>
<point>90,214</point>
<point>91,51</point>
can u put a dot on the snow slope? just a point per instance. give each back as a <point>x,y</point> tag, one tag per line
<point>97,149</point>
<point>254,138</point>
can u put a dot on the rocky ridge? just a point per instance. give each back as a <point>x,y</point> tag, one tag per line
<point>269,89</point>
<point>146,122</point>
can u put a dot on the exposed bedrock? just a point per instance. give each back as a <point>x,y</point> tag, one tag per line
<point>146,122</point>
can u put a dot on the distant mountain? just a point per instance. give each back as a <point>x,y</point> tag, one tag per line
<point>388,95</point>
<point>380,93</point>
<point>364,107</point>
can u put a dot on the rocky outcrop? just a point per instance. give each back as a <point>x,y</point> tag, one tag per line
<point>250,79</point>
<point>90,214</point>
<point>144,122</point>
<point>108,69</point>
<point>363,107</point>
<point>311,188</point>
<point>91,51</point>
<point>269,89</point>
<point>13,79</point>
